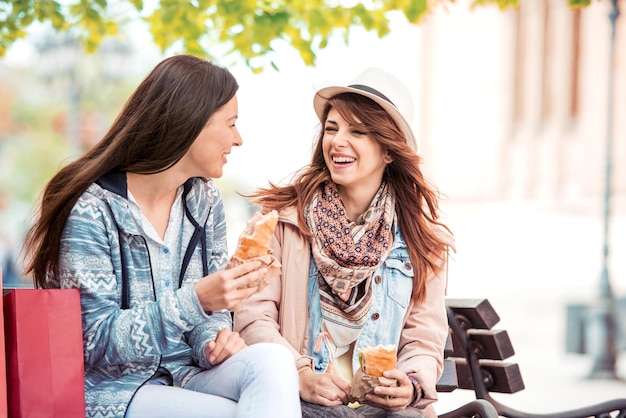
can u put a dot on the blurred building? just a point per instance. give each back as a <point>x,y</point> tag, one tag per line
<point>514,103</point>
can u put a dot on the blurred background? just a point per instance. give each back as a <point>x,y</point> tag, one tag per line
<point>520,118</point>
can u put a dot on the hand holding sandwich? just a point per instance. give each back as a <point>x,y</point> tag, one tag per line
<point>379,383</point>
<point>392,398</point>
<point>254,245</point>
<point>249,270</point>
<point>230,287</point>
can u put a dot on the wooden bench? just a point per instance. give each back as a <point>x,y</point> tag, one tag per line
<point>476,359</point>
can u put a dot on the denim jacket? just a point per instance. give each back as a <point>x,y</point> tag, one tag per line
<point>130,329</point>
<point>390,301</point>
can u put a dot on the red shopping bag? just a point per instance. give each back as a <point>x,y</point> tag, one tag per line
<point>44,347</point>
<point>3,363</point>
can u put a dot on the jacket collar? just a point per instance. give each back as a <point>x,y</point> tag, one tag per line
<point>115,182</point>
<point>198,198</point>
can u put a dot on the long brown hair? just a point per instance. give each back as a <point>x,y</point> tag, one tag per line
<point>416,200</point>
<point>155,128</point>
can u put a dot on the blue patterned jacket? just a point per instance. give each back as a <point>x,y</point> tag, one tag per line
<point>129,331</point>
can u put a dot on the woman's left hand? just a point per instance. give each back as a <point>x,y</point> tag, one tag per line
<point>226,344</point>
<point>392,398</point>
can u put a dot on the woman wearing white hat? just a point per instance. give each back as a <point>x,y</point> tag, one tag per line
<point>363,257</point>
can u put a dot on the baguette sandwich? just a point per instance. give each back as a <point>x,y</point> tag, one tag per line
<point>374,361</point>
<point>254,244</point>
<point>254,241</point>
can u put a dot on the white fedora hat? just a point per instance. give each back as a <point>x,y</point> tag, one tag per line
<point>384,89</point>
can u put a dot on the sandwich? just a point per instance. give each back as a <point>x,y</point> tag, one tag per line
<point>373,361</point>
<point>254,244</point>
<point>254,241</point>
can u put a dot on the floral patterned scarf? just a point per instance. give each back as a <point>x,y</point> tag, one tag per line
<point>347,254</point>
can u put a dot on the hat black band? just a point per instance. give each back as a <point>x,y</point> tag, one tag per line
<point>372,91</point>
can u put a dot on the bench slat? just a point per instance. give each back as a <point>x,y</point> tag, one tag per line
<point>492,344</point>
<point>500,377</point>
<point>474,313</point>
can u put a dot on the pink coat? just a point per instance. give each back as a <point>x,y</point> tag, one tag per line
<point>279,313</point>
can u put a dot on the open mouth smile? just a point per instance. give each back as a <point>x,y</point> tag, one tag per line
<point>343,160</point>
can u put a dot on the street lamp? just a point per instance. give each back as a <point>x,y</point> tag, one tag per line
<point>602,326</point>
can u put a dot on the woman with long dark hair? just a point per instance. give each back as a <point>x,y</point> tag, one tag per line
<point>138,225</point>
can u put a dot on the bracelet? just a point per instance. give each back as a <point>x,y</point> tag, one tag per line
<point>418,393</point>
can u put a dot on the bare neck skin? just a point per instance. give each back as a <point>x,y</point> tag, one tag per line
<point>155,194</point>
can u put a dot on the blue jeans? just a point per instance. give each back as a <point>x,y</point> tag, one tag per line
<point>260,381</point>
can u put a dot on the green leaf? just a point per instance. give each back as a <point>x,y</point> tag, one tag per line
<point>502,4</point>
<point>57,19</point>
<point>579,3</point>
<point>138,4</point>
<point>416,10</point>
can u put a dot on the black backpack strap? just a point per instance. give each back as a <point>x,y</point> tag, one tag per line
<point>199,235</point>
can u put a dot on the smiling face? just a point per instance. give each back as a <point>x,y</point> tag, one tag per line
<point>207,155</point>
<point>355,160</point>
